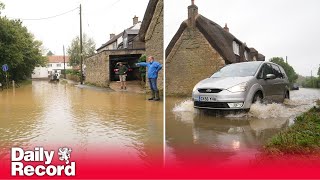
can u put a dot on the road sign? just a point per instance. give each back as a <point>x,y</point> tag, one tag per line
<point>5,68</point>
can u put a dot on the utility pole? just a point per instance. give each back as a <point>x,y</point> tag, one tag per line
<point>286,59</point>
<point>64,63</point>
<point>311,80</point>
<point>81,73</point>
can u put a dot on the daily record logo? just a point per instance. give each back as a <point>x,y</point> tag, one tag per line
<point>20,159</point>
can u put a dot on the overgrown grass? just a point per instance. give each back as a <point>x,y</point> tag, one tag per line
<point>303,137</point>
<point>25,82</point>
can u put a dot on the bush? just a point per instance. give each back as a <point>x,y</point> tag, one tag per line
<point>73,72</point>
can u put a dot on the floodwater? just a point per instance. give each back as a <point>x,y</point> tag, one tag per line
<point>199,138</point>
<point>87,119</point>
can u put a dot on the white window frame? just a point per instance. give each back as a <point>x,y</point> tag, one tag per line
<point>236,48</point>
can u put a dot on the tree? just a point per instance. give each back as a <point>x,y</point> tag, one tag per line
<point>142,70</point>
<point>50,53</point>
<point>319,71</point>
<point>88,49</point>
<point>292,75</point>
<point>18,49</point>
<point>1,7</point>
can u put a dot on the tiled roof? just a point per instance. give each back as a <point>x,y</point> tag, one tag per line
<point>57,59</point>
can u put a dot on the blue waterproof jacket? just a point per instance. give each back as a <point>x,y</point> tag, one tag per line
<point>153,68</point>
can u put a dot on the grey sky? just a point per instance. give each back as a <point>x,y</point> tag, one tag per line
<point>100,18</point>
<point>274,27</point>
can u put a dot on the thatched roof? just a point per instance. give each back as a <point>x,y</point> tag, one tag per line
<point>176,37</point>
<point>219,38</point>
<point>148,15</point>
<point>261,57</point>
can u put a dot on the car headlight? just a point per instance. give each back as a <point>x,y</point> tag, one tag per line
<point>238,88</point>
<point>195,87</point>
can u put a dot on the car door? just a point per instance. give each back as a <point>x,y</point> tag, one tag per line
<point>266,84</point>
<point>279,84</point>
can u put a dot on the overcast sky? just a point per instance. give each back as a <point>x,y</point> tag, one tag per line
<point>274,27</point>
<point>100,18</point>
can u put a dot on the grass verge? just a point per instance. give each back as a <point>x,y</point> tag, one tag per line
<point>303,137</point>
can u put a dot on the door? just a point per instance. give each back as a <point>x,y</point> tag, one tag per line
<point>280,83</point>
<point>267,84</point>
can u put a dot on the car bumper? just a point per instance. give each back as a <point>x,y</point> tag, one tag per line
<point>223,100</point>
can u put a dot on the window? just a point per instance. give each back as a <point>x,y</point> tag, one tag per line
<point>58,65</point>
<point>236,48</point>
<point>49,65</point>
<point>266,69</point>
<point>246,55</point>
<point>238,70</point>
<point>276,71</point>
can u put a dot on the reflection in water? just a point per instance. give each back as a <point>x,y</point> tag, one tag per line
<point>196,137</point>
<point>47,113</point>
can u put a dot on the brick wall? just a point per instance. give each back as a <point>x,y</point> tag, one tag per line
<point>191,60</point>
<point>154,40</point>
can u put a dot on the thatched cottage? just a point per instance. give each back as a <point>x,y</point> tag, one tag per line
<point>198,49</point>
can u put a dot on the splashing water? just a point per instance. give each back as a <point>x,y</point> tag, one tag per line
<point>289,109</point>
<point>184,106</point>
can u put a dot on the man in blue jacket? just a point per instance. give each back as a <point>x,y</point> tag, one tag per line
<point>153,68</point>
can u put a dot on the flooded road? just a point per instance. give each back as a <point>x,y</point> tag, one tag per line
<point>45,113</point>
<point>202,138</point>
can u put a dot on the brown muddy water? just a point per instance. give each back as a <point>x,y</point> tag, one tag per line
<point>45,113</point>
<point>203,138</point>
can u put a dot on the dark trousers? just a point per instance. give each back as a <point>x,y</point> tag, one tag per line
<point>153,84</point>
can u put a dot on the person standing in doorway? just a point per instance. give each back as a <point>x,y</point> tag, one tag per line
<point>153,68</point>
<point>122,75</point>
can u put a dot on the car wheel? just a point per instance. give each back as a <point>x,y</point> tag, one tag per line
<point>257,98</point>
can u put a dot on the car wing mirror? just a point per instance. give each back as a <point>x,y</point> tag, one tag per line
<point>270,76</point>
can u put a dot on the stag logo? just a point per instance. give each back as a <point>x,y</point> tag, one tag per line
<point>64,154</point>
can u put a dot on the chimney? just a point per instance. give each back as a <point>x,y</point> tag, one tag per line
<point>112,36</point>
<point>226,27</point>
<point>192,13</point>
<point>135,20</point>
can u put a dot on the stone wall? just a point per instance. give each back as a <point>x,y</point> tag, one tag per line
<point>98,69</point>
<point>154,40</point>
<point>191,60</point>
<point>73,77</point>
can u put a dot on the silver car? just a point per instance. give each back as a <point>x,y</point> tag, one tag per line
<point>237,86</point>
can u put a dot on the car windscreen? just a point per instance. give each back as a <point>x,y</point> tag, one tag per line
<point>238,70</point>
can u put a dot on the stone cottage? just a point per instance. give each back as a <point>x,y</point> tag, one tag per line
<point>151,32</point>
<point>198,49</point>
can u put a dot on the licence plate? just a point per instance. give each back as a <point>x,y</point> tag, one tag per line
<point>207,99</point>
